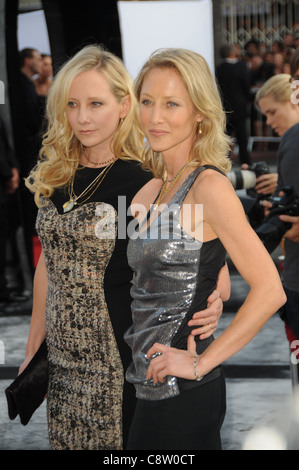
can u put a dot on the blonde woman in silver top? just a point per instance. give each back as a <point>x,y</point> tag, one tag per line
<point>181,401</point>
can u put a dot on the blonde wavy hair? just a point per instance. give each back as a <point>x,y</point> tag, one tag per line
<point>60,152</point>
<point>278,86</point>
<point>213,145</point>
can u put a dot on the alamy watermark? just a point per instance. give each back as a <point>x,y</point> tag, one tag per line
<point>295,94</point>
<point>295,352</point>
<point>169,222</point>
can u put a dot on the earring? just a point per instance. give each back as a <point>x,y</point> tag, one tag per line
<point>200,128</point>
<point>121,121</point>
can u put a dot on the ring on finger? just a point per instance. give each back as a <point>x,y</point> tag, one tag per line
<point>156,354</point>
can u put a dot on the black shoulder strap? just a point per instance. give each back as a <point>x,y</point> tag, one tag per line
<point>212,167</point>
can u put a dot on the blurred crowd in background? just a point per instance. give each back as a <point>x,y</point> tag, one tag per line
<point>18,258</point>
<point>262,62</point>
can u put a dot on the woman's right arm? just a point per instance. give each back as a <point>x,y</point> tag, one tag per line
<point>37,327</point>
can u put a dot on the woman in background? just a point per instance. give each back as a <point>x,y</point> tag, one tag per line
<point>277,101</point>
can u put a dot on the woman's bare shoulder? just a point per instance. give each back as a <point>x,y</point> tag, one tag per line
<point>211,182</point>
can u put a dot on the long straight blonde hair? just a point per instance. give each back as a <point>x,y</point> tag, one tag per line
<point>213,145</point>
<point>60,152</point>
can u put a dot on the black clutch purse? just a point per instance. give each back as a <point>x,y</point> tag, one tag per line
<point>28,390</point>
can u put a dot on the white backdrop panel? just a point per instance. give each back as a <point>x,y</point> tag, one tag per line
<point>147,26</point>
<point>33,32</point>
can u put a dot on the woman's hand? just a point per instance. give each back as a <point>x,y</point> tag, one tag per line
<point>171,361</point>
<point>207,319</point>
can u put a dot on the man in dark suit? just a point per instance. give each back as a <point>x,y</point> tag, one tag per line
<point>234,85</point>
<point>29,110</point>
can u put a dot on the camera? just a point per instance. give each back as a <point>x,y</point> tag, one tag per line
<point>272,230</point>
<point>246,179</point>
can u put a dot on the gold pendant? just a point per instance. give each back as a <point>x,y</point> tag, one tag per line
<point>67,206</point>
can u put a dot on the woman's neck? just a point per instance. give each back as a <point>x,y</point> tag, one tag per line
<point>175,158</point>
<point>174,163</point>
<point>95,158</point>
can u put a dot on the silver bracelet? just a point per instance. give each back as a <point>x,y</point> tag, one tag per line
<point>197,378</point>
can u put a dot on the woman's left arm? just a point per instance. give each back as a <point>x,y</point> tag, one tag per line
<point>226,217</point>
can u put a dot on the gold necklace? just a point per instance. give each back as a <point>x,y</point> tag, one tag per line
<point>171,180</point>
<point>93,186</point>
<point>165,191</point>
<point>97,163</point>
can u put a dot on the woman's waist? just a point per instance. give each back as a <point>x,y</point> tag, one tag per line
<point>160,318</point>
<point>172,332</point>
<point>160,296</point>
<point>151,309</point>
<point>146,389</point>
<point>153,325</point>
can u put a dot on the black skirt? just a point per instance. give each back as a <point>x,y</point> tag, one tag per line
<point>189,421</point>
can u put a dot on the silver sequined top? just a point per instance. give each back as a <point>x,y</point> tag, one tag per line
<point>174,275</point>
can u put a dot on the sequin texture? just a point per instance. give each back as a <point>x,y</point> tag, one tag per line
<point>173,272</point>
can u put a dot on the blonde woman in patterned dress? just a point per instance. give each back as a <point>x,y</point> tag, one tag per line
<point>84,182</point>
